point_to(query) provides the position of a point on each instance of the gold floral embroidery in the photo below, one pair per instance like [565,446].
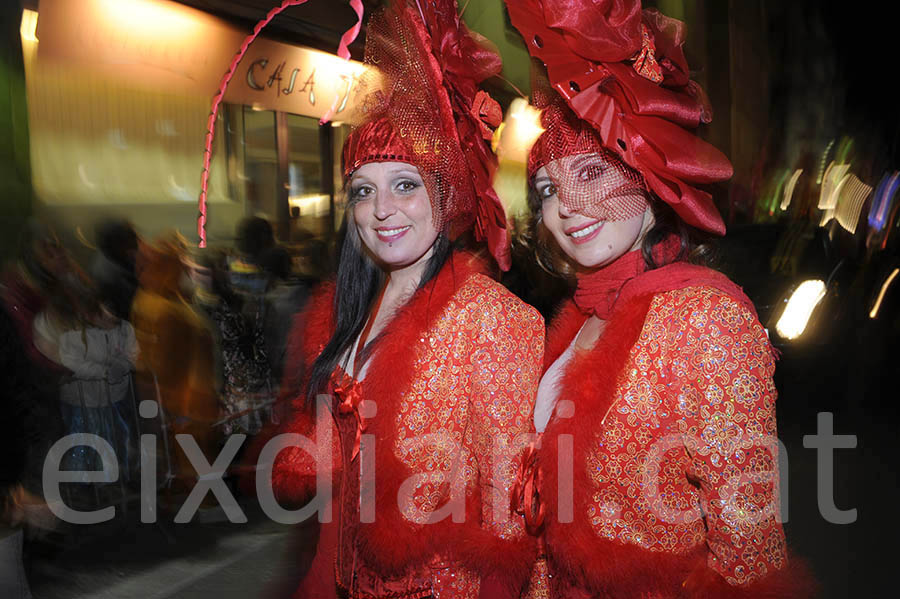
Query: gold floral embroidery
[689,433]
[480,364]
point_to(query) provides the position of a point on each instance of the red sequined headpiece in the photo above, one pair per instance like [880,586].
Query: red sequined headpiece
[375,141]
[622,71]
[421,104]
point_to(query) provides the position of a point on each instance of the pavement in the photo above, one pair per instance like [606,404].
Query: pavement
[125,559]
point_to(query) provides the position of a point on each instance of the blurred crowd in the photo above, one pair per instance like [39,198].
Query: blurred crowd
[200,332]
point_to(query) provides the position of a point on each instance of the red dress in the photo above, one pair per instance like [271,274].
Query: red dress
[662,456]
[453,379]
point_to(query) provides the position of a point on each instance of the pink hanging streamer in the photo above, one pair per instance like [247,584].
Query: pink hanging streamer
[343,52]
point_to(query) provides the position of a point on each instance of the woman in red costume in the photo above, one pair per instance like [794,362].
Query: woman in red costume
[430,368]
[658,462]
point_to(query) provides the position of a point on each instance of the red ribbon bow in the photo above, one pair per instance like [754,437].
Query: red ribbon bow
[488,113]
[349,392]
[645,63]
[526,492]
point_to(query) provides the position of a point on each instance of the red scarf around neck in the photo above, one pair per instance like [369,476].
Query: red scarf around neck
[600,291]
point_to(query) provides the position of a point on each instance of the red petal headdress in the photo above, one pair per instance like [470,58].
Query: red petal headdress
[623,71]
[422,105]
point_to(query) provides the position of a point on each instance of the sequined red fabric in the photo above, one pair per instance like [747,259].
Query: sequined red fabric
[675,457]
[374,141]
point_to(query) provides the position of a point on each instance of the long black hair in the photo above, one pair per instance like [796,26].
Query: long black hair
[359,280]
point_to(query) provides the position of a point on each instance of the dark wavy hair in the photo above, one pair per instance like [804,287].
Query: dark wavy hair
[696,246]
[358,281]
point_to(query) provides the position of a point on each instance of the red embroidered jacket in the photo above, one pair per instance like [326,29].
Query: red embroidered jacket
[453,377]
[659,464]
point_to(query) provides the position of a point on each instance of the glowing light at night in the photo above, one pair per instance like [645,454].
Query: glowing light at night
[28,28]
[887,283]
[823,162]
[789,189]
[852,194]
[521,127]
[799,308]
[842,196]
[772,203]
[310,204]
[151,20]
[844,150]
[885,194]
[834,174]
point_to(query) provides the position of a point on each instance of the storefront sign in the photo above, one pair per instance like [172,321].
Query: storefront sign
[277,76]
[168,46]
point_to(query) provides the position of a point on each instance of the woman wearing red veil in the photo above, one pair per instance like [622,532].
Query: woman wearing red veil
[429,367]
[657,472]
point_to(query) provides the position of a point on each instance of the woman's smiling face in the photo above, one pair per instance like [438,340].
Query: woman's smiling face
[596,232]
[393,214]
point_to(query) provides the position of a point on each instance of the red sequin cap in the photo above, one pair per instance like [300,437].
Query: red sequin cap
[421,104]
[623,71]
[374,141]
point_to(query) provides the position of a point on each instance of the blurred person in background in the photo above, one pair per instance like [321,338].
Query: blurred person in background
[245,379]
[315,259]
[113,266]
[206,285]
[286,295]
[41,291]
[254,385]
[63,310]
[20,431]
[44,271]
[658,372]
[177,355]
[312,265]
[253,236]
[101,352]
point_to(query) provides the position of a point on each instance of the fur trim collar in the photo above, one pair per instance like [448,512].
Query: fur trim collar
[565,324]
[425,304]
[590,379]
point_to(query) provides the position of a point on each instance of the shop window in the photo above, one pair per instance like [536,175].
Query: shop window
[286,167]
[309,200]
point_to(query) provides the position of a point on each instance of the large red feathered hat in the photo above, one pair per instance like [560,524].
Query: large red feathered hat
[622,70]
[421,104]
